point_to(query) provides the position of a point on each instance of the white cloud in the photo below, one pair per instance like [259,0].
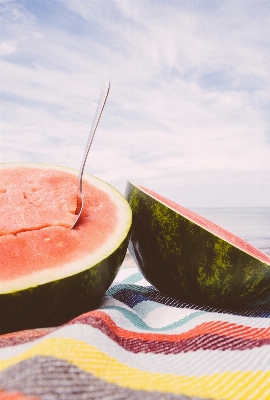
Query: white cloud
[7,47]
[189,94]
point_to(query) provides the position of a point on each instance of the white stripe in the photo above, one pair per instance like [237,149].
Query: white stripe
[197,363]
[170,315]
[161,314]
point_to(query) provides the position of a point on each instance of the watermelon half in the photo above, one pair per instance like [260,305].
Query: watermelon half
[48,272]
[190,258]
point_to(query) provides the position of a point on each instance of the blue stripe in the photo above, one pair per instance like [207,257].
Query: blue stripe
[133,278]
[131,295]
[139,323]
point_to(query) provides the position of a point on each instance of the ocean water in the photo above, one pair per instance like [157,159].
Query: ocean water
[250,224]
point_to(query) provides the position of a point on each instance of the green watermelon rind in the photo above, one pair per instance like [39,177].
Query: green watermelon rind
[185,261]
[49,305]
[61,297]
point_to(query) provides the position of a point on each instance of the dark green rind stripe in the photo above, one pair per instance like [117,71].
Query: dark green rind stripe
[55,303]
[185,261]
[54,379]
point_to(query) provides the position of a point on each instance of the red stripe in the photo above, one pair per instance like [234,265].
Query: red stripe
[16,396]
[198,338]
[209,335]
[12,339]
[213,327]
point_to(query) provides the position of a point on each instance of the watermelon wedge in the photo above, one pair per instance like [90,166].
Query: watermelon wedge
[48,272]
[190,258]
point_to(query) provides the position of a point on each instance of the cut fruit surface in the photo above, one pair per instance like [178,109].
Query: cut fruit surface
[39,250]
[186,256]
[29,202]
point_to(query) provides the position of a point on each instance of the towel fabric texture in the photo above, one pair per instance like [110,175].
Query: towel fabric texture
[141,344]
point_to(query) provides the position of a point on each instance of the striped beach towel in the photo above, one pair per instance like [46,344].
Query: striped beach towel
[140,344]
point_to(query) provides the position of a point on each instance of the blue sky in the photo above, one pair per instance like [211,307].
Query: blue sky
[188,111]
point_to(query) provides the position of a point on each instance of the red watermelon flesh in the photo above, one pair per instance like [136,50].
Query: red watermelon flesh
[211,227]
[37,207]
[33,202]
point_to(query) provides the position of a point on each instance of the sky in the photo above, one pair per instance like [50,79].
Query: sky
[187,114]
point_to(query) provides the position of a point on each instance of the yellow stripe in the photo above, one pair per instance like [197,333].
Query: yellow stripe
[227,385]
